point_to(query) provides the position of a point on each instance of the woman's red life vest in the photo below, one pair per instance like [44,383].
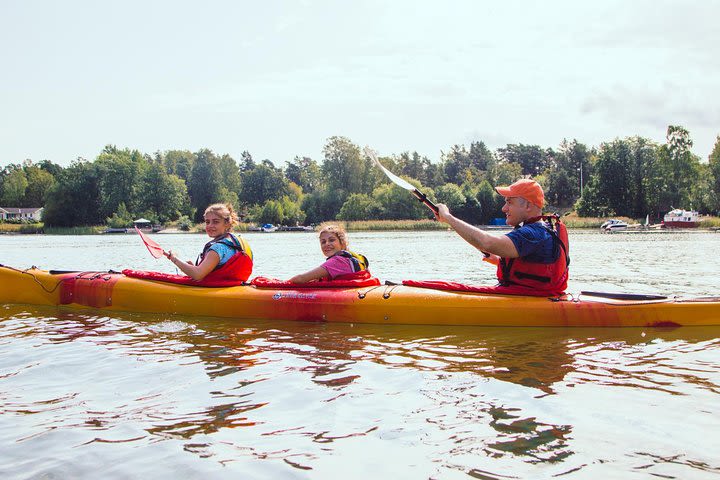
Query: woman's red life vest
[544,278]
[237,268]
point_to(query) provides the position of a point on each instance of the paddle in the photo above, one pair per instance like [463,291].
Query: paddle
[400,182]
[407,186]
[155,250]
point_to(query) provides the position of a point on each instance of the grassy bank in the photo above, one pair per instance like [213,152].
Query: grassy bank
[710,222]
[27,228]
[380,225]
[573,221]
[93,230]
[354,226]
[21,228]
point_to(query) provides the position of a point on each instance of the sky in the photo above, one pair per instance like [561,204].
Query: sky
[278,78]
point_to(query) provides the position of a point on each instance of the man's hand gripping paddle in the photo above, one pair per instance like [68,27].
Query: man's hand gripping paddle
[155,250]
[400,182]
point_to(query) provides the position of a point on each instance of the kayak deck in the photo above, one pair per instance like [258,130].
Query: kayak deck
[385,304]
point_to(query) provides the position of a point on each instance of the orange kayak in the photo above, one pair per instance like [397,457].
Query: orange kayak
[384,304]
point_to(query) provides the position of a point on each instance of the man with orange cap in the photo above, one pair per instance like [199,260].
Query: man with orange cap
[532,258]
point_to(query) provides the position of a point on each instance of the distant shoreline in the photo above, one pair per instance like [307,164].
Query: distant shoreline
[573,223]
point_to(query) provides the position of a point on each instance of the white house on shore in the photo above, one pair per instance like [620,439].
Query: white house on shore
[14,213]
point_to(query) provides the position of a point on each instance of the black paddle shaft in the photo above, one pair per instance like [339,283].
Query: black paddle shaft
[423,198]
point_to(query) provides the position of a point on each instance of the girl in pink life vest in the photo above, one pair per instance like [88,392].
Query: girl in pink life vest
[224,258]
[341,263]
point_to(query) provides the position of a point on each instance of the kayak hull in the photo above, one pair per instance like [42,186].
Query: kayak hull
[386,304]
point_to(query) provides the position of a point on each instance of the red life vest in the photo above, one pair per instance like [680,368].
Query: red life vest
[237,268]
[517,275]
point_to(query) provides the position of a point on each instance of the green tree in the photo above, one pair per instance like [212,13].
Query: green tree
[344,168]
[292,213]
[701,196]
[559,188]
[230,174]
[39,183]
[13,188]
[481,158]
[323,204]
[414,166]
[714,165]
[246,162]
[489,203]
[119,174]
[120,219]
[435,175]
[52,168]
[360,206]
[451,195]
[461,165]
[613,179]
[471,210]
[398,204]
[455,164]
[503,173]
[592,204]
[179,162]
[74,198]
[305,172]
[164,195]
[205,182]
[568,168]
[532,158]
[679,167]
[626,180]
[262,183]
[272,212]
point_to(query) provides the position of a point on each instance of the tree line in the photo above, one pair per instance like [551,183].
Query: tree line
[630,177]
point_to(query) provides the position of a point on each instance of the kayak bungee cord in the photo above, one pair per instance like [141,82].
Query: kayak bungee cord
[93,276]
[25,272]
[362,295]
[389,290]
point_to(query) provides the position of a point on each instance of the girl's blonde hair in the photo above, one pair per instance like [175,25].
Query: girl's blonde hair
[224,211]
[336,230]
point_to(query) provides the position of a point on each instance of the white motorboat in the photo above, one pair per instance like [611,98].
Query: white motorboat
[613,225]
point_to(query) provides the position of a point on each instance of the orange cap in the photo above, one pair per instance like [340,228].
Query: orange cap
[525,188]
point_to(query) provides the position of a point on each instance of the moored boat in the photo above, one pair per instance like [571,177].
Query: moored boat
[380,304]
[613,225]
[679,218]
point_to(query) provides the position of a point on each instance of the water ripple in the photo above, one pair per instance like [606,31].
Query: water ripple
[302,399]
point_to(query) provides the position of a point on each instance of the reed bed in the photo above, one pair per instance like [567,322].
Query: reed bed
[91,230]
[379,225]
[21,228]
[710,222]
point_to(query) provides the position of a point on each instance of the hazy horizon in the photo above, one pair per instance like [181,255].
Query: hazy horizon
[279,78]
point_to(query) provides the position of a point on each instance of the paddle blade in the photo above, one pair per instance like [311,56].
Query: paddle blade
[395,179]
[400,182]
[155,250]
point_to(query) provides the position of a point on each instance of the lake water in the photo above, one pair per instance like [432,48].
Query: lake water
[89,395]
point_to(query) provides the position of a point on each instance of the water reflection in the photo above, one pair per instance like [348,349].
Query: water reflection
[463,396]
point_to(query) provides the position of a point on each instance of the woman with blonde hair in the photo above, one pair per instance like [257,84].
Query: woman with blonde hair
[226,257]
